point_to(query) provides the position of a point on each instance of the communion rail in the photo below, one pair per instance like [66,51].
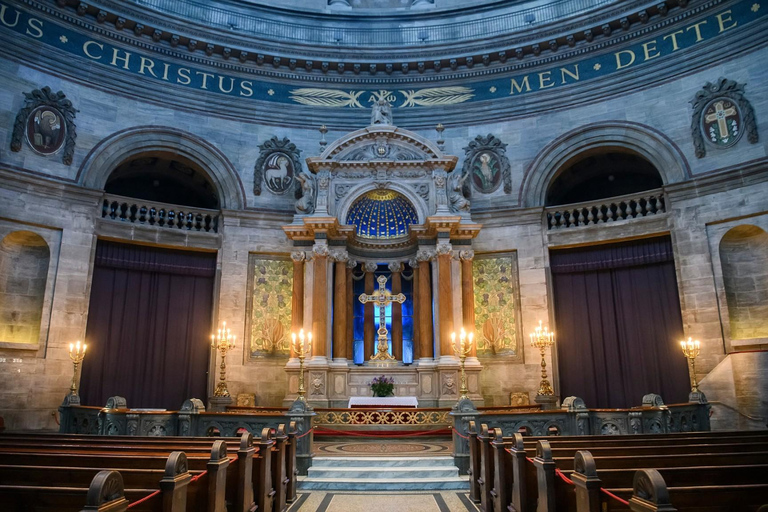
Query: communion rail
[166,216]
[613,209]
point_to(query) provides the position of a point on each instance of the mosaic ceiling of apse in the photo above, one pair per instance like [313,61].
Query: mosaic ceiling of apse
[382,214]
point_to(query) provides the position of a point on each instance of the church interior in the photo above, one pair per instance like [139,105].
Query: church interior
[430,255]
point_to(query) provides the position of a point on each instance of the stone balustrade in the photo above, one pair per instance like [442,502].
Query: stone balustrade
[160,215]
[614,209]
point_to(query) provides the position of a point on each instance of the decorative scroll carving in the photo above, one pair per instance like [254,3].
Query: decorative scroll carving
[47,122]
[486,162]
[721,115]
[278,163]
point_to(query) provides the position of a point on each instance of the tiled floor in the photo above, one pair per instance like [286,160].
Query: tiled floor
[445,501]
[368,447]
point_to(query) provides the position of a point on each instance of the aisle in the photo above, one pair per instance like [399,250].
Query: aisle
[402,501]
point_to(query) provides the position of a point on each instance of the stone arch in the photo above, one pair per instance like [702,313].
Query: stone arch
[24,261]
[637,138]
[108,154]
[421,207]
[744,261]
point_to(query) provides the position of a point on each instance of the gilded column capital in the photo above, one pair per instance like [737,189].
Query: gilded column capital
[467,255]
[395,266]
[371,266]
[425,254]
[298,256]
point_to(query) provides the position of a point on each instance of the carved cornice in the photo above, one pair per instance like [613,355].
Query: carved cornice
[328,227]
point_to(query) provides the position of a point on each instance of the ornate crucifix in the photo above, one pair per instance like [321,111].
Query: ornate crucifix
[381,298]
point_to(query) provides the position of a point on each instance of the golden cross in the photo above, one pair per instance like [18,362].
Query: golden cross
[382,298]
[720,116]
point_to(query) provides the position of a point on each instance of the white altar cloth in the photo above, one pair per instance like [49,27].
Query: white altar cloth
[383,401]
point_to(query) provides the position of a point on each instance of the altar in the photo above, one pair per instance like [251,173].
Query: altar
[398,402]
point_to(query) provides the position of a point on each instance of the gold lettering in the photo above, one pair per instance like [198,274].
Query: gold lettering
[205,78]
[722,21]
[37,26]
[116,57]
[519,87]
[695,27]
[574,75]
[548,78]
[184,73]
[88,52]
[649,47]
[673,36]
[166,67]
[619,65]
[149,67]
[246,85]
[2,17]
[231,84]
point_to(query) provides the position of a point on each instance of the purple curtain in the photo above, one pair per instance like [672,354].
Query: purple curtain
[618,323]
[149,324]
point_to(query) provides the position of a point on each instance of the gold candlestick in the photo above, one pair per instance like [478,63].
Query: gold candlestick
[301,347]
[462,350]
[223,341]
[542,338]
[76,354]
[691,349]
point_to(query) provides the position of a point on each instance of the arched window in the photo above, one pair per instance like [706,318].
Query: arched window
[163,179]
[599,175]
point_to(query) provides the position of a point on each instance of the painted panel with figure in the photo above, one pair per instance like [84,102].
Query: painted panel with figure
[496,305]
[269,306]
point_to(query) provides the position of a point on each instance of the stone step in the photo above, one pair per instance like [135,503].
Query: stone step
[377,484]
[368,462]
[383,473]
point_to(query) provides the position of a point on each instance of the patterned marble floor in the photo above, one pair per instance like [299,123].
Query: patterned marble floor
[445,501]
[368,447]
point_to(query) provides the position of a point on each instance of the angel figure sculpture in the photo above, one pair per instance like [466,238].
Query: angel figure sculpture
[456,196]
[305,202]
[381,113]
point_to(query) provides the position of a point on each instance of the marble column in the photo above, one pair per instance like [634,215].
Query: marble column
[397,311]
[426,345]
[445,298]
[340,301]
[414,264]
[468,295]
[297,298]
[320,301]
[350,266]
[369,329]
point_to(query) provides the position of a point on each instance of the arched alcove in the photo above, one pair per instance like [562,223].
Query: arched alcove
[744,261]
[382,214]
[24,260]
[606,137]
[164,178]
[602,173]
[153,141]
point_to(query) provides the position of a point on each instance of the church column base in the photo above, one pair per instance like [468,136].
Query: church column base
[547,402]
[219,403]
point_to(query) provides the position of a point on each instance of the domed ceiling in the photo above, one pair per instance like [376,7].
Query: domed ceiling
[382,214]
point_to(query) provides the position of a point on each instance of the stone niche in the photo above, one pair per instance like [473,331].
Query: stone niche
[744,260]
[24,261]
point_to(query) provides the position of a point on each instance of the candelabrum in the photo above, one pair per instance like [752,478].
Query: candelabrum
[76,354]
[462,350]
[302,346]
[223,341]
[691,349]
[542,338]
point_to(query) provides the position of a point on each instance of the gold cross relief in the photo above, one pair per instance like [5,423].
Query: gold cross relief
[720,115]
[381,298]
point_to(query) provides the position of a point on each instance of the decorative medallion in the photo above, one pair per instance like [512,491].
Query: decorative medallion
[721,115]
[46,122]
[487,164]
[277,165]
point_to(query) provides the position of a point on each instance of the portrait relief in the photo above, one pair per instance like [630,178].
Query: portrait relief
[486,172]
[278,172]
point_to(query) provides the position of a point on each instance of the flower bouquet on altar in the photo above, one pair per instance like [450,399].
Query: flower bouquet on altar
[383,386]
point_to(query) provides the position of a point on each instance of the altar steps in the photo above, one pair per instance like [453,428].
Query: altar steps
[383,474]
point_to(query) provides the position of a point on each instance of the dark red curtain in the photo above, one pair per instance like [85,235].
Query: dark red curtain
[618,323]
[149,326]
